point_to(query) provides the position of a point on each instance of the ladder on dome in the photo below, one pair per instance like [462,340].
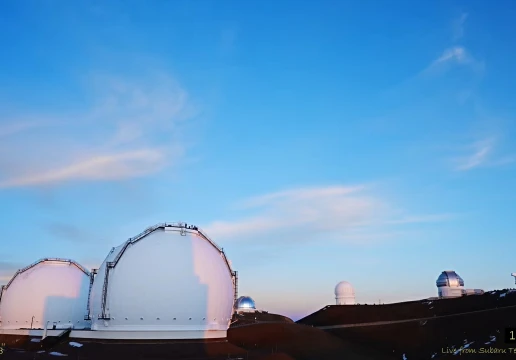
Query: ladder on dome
[235,279]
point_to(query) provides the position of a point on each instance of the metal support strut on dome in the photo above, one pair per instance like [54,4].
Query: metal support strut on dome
[92,277]
[235,283]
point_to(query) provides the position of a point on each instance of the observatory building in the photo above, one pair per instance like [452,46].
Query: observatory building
[49,293]
[344,293]
[169,282]
[245,304]
[450,285]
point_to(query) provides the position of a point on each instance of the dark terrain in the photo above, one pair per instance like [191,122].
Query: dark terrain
[473,322]
[258,317]
[425,330]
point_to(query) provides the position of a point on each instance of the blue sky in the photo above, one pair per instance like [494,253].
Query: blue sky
[367,141]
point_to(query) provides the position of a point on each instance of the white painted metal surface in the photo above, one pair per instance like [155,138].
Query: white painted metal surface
[120,335]
[474,292]
[344,293]
[173,280]
[53,291]
[450,292]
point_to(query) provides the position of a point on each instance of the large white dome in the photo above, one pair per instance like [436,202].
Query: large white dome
[53,291]
[344,293]
[170,279]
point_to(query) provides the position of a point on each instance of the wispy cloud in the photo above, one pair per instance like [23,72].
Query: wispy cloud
[458,26]
[456,55]
[482,153]
[22,125]
[130,131]
[343,213]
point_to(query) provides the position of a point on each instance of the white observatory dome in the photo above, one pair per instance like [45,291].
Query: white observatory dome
[170,279]
[53,291]
[450,284]
[245,303]
[344,293]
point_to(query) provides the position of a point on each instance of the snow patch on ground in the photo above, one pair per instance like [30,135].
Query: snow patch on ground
[74,344]
[55,353]
[491,340]
[404,357]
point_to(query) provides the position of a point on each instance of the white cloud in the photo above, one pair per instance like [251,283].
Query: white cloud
[21,125]
[458,26]
[479,156]
[102,167]
[457,55]
[341,213]
[482,153]
[131,131]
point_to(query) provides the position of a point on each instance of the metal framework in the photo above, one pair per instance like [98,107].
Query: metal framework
[235,285]
[92,278]
[71,262]
[182,227]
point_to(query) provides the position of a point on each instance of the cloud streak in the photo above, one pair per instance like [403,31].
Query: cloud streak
[341,213]
[458,27]
[455,56]
[479,156]
[130,131]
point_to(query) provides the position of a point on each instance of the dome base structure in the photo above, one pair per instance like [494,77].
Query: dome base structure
[5,334]
[169,282]
[446,292]
[345,301]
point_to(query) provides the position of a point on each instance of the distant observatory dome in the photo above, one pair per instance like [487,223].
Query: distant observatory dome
[53,291]
[344,293]
[450,284]
[245,303]
[170,279]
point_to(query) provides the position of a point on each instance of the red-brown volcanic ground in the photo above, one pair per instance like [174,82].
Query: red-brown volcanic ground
[261,341]
[299,342]
[440,335]
[351,314]
[247,318]
[253,337]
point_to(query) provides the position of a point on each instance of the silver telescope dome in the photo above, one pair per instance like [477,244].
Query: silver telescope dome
[449,278]
[245,302]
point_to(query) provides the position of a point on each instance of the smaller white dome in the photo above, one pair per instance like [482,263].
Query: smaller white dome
[344,288]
